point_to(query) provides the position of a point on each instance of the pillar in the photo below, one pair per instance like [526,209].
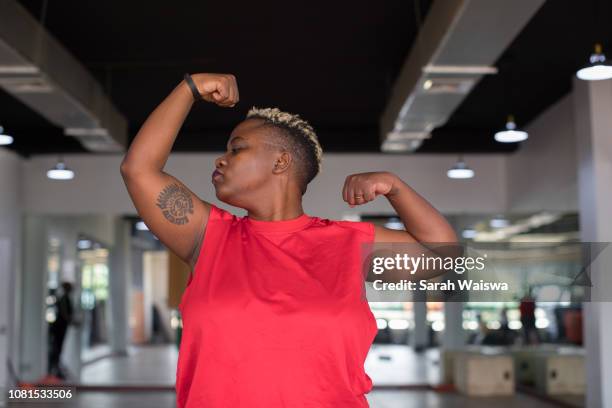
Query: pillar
[593,128]
[420,334]
[33,358]
[120,283]
[453,336]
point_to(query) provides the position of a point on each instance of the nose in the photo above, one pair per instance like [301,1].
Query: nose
[220,162]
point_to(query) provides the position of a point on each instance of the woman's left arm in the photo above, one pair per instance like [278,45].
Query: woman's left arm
[422,221]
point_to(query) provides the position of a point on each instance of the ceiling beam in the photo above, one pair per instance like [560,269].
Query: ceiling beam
[37,70]
[456,46]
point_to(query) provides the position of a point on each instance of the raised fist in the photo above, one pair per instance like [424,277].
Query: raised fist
[362,188]
[221,89]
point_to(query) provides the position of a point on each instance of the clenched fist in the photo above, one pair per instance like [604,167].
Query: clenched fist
[221,89]
[362,188]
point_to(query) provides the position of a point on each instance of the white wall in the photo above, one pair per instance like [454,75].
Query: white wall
[542,174]
[99,188]
[10,234]
[425,173]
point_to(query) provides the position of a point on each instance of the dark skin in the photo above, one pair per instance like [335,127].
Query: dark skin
[256,173]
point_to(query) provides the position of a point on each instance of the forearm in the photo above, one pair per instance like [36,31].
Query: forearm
[153,143]
[419,217]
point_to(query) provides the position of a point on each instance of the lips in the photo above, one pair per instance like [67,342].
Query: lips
[216,176]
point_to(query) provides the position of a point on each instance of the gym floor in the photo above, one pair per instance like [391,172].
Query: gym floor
[122,382]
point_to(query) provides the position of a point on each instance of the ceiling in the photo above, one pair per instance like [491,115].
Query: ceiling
[334,63]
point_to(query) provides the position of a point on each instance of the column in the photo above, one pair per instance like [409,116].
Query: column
[453,336]
[33,360]
[593,128]
[120,284]
[5,307]
[420,334]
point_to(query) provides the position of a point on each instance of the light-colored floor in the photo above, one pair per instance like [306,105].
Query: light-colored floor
[377,399]
[150,365]
[96,352]
[387,365]
[431,399]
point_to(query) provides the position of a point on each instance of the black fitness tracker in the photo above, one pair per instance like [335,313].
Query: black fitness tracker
[193,87]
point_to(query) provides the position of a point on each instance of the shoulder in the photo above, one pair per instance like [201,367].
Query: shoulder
[359,227]
[219,214]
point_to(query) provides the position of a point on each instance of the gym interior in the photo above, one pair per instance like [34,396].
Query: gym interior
[498,112]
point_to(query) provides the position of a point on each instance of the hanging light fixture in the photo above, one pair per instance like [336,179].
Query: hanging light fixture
[511,90]
[60,171]
[597,69]
[4,138]
[460,170]
[510,134]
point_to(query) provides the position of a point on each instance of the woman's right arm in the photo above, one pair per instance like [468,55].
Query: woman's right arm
[171,211]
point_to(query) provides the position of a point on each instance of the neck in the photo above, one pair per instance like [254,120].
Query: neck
[280,203]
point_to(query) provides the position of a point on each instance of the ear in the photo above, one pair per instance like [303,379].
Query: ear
[282,162]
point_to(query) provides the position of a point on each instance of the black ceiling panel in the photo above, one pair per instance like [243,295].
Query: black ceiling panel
[333,62]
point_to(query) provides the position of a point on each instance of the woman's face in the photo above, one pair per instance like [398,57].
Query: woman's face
[243,172]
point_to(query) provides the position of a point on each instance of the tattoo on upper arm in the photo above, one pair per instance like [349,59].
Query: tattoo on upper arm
[175,203]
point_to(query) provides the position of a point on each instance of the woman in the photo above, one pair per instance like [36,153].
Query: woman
[273,314]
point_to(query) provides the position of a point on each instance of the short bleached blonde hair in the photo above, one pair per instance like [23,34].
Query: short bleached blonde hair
[304,139]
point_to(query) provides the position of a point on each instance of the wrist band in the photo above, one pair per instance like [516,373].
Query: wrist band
[194,89]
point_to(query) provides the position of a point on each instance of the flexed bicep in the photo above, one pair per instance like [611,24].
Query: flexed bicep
[171,211]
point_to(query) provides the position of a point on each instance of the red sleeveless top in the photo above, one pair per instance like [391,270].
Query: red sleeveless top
[275,315]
